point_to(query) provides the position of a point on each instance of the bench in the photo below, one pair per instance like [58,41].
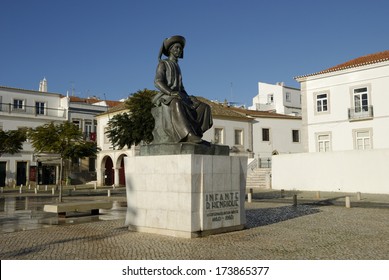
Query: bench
[80,206]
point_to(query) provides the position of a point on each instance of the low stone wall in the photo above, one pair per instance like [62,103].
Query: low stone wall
[347,171]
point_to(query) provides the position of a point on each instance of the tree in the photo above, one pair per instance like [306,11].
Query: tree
[64,139]
[133,127]
[11,141]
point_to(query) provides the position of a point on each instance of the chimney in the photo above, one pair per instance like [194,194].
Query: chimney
[43,85]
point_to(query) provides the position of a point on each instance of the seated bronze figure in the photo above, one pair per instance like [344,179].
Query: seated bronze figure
[178,116]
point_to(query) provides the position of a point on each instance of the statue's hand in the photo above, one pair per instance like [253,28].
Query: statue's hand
[174,94]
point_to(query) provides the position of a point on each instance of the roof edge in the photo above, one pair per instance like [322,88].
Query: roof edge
[354,63]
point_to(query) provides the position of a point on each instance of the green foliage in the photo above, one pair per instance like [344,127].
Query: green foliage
[11,142]
[137,125]
[64,139]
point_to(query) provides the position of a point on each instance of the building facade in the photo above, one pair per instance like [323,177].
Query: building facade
[21,108]
[344,106]
[110,161]
[273,133]
[345,130]
[277,98]
[82,112]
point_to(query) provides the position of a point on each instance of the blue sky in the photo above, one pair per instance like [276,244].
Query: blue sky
[110,48]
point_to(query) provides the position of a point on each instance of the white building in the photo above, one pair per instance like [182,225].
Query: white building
[274,133]
[230,128]
[109,163]
[277,98]
[82,112]
[20,108]
[345,107]
[346,120]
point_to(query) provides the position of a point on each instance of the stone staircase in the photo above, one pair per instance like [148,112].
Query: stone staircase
[259,178]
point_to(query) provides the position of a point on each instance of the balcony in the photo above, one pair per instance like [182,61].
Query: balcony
[360,113]
[10,109]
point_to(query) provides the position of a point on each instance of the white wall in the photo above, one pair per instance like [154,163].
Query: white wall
[107,150]
[51,100]
[345,171]
[280,136]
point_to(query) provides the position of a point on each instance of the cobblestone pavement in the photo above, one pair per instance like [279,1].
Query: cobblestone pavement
[275,230]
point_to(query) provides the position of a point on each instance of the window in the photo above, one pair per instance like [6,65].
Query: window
[87,129]
[265,134]
[288,97]
[295,136]
[218,137]
[88,126]
[77,123]
[238,137]
[270,98]
[323,142]
[18,104]
[39,108]
[321,103]
[361,102]
[362,139]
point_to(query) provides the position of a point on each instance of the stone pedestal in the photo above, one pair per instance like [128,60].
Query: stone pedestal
[185,195]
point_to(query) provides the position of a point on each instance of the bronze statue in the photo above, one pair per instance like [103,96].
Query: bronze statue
[178,116]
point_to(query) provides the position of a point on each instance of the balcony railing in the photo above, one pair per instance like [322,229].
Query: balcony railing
[360,113]
[32,110]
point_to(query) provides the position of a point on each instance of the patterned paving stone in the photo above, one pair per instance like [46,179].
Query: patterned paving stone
[274,231]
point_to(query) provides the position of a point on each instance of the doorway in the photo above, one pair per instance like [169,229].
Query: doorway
[21,171]
[3,173]
[109,172]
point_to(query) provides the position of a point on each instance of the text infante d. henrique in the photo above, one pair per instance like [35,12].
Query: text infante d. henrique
[221,200]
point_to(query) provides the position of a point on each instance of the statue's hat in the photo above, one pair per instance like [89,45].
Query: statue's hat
[168,42]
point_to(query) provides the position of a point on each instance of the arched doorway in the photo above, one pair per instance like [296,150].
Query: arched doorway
[109,178]
[122,176]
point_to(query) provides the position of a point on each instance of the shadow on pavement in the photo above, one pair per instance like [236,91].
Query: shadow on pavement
[267,216]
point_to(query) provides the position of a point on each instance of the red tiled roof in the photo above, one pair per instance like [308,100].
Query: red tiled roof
[221,111]
[119,107]
[263,114]
[360,61]
[110,103]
